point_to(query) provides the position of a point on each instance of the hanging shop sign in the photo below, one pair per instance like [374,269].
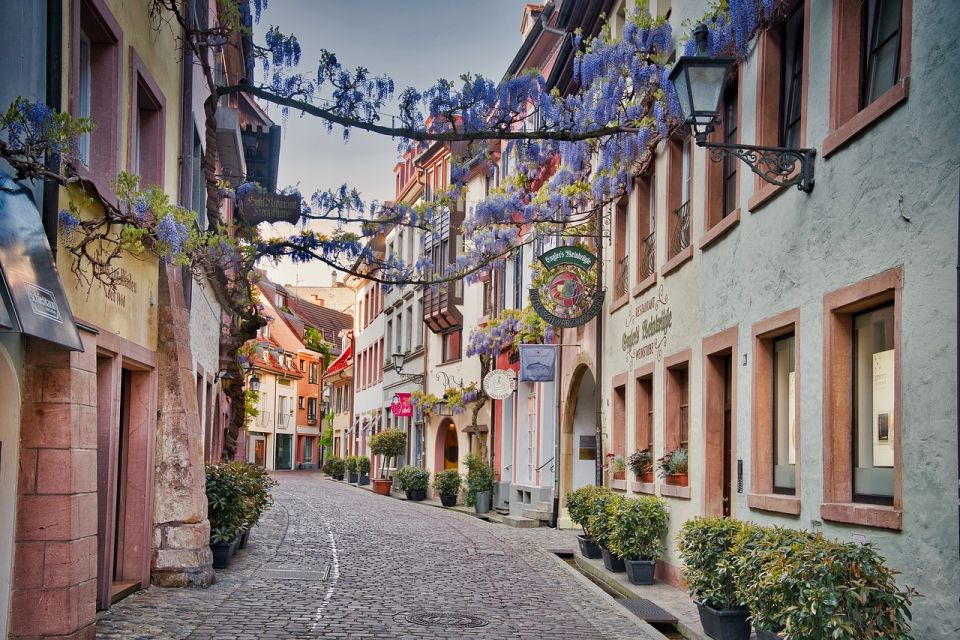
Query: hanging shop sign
[570,296]
[499,384]
[270,207]
[401,406]
[537,362]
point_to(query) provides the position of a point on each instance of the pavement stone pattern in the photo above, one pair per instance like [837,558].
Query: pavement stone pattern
[333,561]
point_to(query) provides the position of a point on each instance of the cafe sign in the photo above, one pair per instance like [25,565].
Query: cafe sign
[270,207]
[570,297]
[401,406]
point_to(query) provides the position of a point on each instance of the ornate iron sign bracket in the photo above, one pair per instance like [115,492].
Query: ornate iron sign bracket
[783,167]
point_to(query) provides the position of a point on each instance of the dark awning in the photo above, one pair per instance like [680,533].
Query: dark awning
[34,302]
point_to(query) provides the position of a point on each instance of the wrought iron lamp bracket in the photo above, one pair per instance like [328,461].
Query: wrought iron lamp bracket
[448,380]
[415,378]
[776,165]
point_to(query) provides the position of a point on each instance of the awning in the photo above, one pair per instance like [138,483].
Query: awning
[34,302]
[341,363]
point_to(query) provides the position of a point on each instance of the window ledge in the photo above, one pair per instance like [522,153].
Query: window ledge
[867,515]
[645,284]
[762,196]
[852,128]
[717,231]
[644,487]
[677,261]
[774,502]
[618,485]
[617,303]
[675,491]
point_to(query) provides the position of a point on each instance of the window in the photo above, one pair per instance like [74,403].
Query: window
[881,48]
[643,427]
[646,193]
[774,481]
[722,201]
[620,256]
[389,335]
[198,197]
[380,360]
[302,365]
[411,319]
[677,406]
[146,127]
[451,345]
[311,409]
[679,178]
[518,278]
[308,449]
[418,334]
[618,439]
[730,136]
[862,423]
[314,372]
[399,336]
[791,78]
[300,404]
[84,97]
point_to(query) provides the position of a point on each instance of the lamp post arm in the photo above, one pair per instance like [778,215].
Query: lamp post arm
[776,165]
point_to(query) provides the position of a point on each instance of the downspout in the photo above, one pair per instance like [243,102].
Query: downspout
[54,91]
[348,445]
[598,472]
[423,415]
[558,389]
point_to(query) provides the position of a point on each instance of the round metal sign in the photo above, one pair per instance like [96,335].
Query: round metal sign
[499,384]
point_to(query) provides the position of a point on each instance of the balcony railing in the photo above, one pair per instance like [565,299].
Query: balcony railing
[623,276]
[283,420]
[648,256]
[680,238]
[264,420]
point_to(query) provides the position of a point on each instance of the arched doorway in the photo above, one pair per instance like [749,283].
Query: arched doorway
[578,443]
[9,464]
[447,446]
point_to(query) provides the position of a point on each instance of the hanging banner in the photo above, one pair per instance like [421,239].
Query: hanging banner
[569,296]
[401,405]
[537,362]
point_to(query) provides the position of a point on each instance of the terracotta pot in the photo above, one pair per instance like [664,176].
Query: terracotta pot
[679,479]
[619,475]
[647,477]
[382,487]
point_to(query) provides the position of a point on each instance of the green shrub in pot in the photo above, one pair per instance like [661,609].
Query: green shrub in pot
[411,478]
[226,506]
[255,484]
[388,444]
[603,513]
[580,505]
[802,586]
[351,463]
[479,477]
[363,465]
[447,483]
[638,528]
[335,467]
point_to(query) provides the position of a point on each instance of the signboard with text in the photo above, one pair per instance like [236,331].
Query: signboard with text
[270,207]
[401,405]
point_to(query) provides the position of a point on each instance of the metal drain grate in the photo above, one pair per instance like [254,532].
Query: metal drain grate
[446,620]
[647,610]
[294,574]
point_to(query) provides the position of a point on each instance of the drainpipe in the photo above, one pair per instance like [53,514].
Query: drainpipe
[957,345]
[598,472]
[558,387]
[54,91]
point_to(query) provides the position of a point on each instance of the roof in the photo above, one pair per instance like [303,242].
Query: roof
[300,314]
[269,361]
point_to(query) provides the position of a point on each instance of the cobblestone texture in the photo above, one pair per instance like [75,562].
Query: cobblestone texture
[382,559]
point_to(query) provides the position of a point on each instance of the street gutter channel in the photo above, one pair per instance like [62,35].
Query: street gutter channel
[668,630]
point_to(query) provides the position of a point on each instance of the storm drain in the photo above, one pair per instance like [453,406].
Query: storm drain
[295,574]
[446,620]
[647,610]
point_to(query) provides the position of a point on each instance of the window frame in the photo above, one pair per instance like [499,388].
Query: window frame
[643,417]
[679,179]
[146,141]
[717,220]
[645,193]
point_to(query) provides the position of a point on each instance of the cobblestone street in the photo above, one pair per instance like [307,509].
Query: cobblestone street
[333,561]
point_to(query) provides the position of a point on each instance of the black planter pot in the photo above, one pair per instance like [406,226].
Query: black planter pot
[588,548]
[421,494]
[221,554]
[338,476]
[640,571]
[724,625]
[448,501]
[354,477]
[407,493]
[767,635]
[364,480]
[611,562]
[243,539]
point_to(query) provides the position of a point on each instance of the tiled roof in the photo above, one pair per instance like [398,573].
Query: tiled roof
[301,314]
[266,359]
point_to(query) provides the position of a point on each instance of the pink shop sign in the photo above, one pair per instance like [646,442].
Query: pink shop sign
[401,405]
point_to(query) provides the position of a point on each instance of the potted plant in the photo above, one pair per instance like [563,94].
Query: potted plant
[641,463]
[619,468]
[705,546]
[226,511]
[673,467]
[413,481]
[638,529]
[447,484]
[388,444]
[602,519]
[780,572]
[363,469]
[352,464]
[579,506]
[255,484]
[335,467]
[479,483]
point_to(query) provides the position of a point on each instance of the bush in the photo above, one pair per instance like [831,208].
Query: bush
[334,466]
[413,478]
[802,585]
[237,495]
[479,477]
[708,569]
[447,483]
[363,465]
[255,484]
[580,505]
[388,443]
[638,528]
[602,518]
[351,463]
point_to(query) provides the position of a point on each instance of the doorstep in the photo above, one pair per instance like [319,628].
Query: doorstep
[675,601]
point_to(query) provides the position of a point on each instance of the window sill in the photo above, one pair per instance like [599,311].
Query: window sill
[618,485]
[774,502]
[675,491]
[645,284]
[717,231]
[446,362]
[871,114]
[867,515]
[617,303]
[677,261]
[644,487]
[762,196]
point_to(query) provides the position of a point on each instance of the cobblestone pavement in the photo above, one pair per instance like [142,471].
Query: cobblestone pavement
[334,561]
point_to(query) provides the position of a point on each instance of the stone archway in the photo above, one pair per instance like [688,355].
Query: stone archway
[577,461]
[447,446]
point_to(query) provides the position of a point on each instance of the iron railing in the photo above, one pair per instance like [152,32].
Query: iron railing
[680,239]
[647,262]
[283,420]
[623,276]
[264,420]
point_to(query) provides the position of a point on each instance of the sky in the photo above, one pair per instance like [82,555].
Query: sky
[415,42]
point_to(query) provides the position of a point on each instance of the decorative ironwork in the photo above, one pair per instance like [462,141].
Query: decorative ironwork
[623,276]
[680,238]
[783,167]
[647,260]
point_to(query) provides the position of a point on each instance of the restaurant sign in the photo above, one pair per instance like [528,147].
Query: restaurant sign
[646,328]
[270,207]
[569,297]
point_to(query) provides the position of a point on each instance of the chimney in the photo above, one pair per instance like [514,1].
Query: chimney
[333,275]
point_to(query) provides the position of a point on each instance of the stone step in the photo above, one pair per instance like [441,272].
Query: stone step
[520,523]
[536,514]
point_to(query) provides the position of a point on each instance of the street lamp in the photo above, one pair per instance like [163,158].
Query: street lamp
[699,80]
[398,359]
[255,382]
